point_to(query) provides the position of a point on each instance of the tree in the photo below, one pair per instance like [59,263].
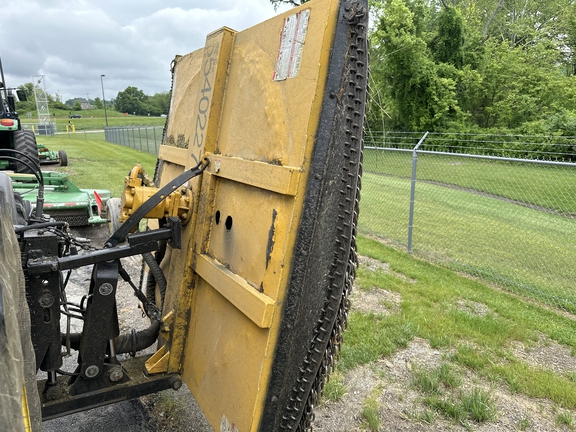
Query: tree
[418,96]
[30,103]
[98,103]
[447,46]
[77,106]
[132,100]
[160,102]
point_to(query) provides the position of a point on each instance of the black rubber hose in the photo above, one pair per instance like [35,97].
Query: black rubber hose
[130,343]
[125,343]
[39,226]
[156,276]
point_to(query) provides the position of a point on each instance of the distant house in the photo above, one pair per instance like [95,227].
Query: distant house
[84,103]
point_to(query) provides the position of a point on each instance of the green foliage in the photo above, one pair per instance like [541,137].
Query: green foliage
[335,389]
[418,97]
[476,406]
[565,418]
[444,66]
[98,104]
[431,382]
[131,100]
[447,45]
[370,415]
[77,106]
[134,101]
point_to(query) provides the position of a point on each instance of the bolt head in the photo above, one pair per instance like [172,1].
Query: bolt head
[116,374]
[106,289]
[92,371]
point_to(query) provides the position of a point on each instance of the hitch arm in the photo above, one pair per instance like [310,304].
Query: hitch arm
[152,202]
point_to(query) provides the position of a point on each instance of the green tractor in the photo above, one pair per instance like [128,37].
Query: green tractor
[24,157]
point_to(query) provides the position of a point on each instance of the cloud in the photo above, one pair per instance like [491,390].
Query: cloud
[131,42]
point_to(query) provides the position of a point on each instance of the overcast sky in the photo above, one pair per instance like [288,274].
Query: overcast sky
[132,42]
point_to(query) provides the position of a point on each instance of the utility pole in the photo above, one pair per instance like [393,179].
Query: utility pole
[104,98]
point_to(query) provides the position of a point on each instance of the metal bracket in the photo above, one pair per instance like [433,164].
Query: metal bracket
[133,221]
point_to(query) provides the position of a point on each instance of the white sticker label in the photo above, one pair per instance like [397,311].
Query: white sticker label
[226,426]
[291,45]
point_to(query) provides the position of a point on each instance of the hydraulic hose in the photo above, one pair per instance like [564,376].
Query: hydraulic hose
[156,276]
[125,343]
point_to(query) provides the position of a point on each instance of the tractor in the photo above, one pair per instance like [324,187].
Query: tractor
[12,136]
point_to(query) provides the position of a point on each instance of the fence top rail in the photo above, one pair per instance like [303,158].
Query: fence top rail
[467,155]
[133,126]
[416,135]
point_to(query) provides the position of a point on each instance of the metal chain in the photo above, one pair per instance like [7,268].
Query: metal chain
[354,100]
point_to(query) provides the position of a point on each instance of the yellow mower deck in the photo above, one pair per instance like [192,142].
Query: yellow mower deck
[268,250]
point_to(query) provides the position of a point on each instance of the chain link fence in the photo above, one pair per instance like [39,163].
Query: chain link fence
[143,138]
[509,220]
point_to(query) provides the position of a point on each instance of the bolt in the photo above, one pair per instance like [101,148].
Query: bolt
[46,300]
[166,328]
[106,289]
[91,371]
[116,374]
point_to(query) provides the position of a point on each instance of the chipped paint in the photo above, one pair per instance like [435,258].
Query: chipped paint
[270,245]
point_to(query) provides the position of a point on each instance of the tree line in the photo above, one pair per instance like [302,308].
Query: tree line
[131,100]
[474,65]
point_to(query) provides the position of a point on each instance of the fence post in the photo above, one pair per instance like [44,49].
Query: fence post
[155,143]
[147,143]
[412,192]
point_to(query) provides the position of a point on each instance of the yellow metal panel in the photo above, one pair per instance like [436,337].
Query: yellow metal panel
[245,233]
[173,154]
[229,281]
[275,178]
[255,305]
[218,378]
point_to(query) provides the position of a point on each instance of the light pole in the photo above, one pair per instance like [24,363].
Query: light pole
[104,99]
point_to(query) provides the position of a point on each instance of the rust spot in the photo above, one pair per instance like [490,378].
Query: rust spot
[271,231]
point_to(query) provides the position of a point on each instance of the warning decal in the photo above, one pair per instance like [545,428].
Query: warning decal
[291,45]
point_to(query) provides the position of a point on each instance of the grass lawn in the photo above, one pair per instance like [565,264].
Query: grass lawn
[549,186]
[435,306]
[94,119]
[530,251]
[98,164]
